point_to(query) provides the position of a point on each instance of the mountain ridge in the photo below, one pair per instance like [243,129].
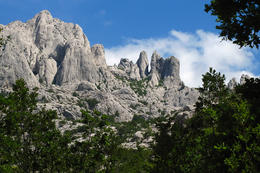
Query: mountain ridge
[53,55]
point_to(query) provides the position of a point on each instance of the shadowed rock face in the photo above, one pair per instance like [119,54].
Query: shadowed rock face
[52,54]
[130,68]
[164,69]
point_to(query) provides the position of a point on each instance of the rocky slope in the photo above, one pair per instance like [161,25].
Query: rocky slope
[57,58]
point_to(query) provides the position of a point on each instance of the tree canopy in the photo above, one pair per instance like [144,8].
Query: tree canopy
[223,135]
[239,20]
[31,142]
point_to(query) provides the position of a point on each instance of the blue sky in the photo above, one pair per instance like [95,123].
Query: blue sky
[125,27]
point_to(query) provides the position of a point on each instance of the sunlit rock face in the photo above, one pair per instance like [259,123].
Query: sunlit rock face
[57,57]
[49,50]
[142,64]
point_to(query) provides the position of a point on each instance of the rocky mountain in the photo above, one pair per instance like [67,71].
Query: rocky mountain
[57,58]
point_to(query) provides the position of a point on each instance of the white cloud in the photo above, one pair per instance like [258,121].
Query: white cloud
[196,52]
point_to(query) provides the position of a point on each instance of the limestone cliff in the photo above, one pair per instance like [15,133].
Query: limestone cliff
[57,57]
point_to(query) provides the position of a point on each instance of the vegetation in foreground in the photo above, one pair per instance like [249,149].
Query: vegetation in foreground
[238,20]
[222,136]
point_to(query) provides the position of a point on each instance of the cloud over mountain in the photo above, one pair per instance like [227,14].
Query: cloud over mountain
[196,52]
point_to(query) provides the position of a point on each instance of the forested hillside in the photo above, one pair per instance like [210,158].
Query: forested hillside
[223,135]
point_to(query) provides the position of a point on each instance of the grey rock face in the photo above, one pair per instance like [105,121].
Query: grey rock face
[57,57]
[142,64]
[98,52]
[19,56]
[130,68]
[125,64]
[164,69]
[170,68]
[78,65]
[86,86]
[46,69]
[44,42]
[155,69]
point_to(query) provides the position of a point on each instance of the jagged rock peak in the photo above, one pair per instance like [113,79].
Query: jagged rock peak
[155,57]
[125,63]
[52,54]
[44,14]
[43,17]
[129,68]
[155,64]
[164,68]
[49,51]
[171,67]
[142,64]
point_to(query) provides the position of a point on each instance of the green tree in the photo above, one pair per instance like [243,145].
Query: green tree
[132,160]
[168,150]
[239,20]
[222,136]
[213,89]
[96,152]
[29,140]
[251,92]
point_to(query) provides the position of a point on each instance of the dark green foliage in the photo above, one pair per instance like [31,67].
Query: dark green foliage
[128,129]
[98,86]
[81,103]
[168,151]
[92,102]
[139,86]
[213,89]
[132,160]
[29,140]
[222,136]
[41,80]
[95,153]
[117,114]
[75,94]
[123,79]
[143,102]
[134,106]
[239,20]
[251,92]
